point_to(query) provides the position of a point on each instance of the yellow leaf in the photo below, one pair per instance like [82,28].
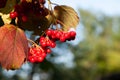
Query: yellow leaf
[66,16]
[5,17]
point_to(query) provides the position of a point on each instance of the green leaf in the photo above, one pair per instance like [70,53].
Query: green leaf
[66,16]
[13,47]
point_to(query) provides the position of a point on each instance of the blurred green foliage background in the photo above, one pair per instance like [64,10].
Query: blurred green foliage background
[96,57]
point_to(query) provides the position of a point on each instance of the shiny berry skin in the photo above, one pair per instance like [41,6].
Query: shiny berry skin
[43,55]
[54,32]
[49,32]
[72,33]
[42,39]
[13,15]
[58,35]
[24,18]
[62,39]
[40,59]
[43,44]
[67,35]
[36,54]
[48,43]
[48,50]
[31,59]
[53,45]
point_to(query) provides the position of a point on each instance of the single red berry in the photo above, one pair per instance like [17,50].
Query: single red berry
[48,50]
[43,54]
[13,15]
[44,44]
[49,32]
[72,33]
[54,32]
[38,53]
[53,45]
[31,59]
[62,39]
[34,49]
[58,35]
[48,42]
[53,36]
[42,39]
[67,35]
[24,18]
[40,59]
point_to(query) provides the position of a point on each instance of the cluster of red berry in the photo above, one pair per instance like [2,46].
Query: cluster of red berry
[24,8]
[46,42]
[60,35]
[38,54]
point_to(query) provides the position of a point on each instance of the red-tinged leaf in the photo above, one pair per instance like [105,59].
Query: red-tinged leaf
[66,16]
[13,47]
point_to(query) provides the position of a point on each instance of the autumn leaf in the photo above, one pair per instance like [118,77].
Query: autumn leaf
[6,18]
[13,47]
[66,16]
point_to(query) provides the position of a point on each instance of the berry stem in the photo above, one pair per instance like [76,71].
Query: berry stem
[54,4]
[31,41]
[49,5]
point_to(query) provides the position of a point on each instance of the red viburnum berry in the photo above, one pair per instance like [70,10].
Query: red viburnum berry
[31,59]
[40,59]
[48,43]
[48,50]
[49,32]
[54,32]
[42,39]
[44,44]
[13,15]
[36,54]
[43,54]
[67,35]
[58,35]
[72,33]
[53,45]
[24,18]
[62,39]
